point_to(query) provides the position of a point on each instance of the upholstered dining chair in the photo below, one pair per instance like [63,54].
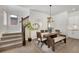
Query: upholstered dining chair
[42,31]
[41,39]
[46,30]
[53,39]
[57,31]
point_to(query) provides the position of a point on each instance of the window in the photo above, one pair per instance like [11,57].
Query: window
[5,18]
[13,20]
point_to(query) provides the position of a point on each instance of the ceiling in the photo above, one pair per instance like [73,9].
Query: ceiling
[55,8]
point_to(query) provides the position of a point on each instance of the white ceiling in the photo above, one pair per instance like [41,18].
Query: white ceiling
[55,8]
[41,8]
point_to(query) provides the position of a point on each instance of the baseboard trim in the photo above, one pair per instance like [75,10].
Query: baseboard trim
[72,38]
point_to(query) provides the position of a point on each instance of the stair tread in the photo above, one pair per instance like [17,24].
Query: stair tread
[1,41]
[10,40]
[2,46]
[12,33]
[11,37]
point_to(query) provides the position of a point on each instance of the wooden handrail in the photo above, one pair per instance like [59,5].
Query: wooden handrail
[23,30]
[24,18]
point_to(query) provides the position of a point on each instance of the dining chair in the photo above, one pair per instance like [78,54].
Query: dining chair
[57,31]
[41,39]
[42,31]
[46,30]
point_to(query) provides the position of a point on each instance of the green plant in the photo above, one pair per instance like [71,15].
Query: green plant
[29,26]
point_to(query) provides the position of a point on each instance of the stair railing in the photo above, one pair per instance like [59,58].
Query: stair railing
[23,30]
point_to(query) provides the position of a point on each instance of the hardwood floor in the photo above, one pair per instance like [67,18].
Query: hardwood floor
[72,46]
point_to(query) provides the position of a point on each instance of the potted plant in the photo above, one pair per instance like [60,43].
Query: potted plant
[30,28]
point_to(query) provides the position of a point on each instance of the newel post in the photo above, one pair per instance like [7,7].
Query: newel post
[23,34]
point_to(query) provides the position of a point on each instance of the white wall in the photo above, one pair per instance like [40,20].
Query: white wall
[65,21]
[61,21]
[73,19]
[1,21]
[38,17]
[12,10]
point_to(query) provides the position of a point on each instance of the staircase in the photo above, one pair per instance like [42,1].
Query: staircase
[10,41]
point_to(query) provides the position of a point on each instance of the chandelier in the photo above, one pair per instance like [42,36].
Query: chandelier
[49,22]
[50,18]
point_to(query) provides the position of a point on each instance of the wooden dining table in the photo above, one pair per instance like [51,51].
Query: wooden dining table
[47,35]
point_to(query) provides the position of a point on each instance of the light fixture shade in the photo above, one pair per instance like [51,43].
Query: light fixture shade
[49,19]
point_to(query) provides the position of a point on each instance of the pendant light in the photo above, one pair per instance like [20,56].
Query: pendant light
[49,18]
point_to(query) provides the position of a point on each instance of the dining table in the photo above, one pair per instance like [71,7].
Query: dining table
[48,34]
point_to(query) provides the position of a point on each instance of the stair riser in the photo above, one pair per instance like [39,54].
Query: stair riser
[12,34]
[6,38]
[8,42]
[10,47]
